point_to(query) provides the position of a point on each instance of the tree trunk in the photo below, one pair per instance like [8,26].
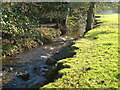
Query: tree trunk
[90,17]
[67,16]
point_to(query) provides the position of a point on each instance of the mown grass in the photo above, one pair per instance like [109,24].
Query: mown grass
[95,64]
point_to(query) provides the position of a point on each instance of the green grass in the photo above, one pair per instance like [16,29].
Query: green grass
[95,64]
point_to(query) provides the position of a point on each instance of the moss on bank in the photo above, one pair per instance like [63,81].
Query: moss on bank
[95,64]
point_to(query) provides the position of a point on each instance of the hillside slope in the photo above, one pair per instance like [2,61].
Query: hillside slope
[95,64]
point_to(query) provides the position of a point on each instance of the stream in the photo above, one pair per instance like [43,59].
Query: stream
[29,68]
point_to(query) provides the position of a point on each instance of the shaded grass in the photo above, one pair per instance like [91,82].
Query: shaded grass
[95,64]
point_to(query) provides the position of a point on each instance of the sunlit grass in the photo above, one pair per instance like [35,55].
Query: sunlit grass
[95,64]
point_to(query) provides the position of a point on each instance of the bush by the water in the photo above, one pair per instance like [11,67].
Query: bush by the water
[20,31]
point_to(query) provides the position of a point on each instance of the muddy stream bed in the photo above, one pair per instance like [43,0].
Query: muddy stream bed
[29,68]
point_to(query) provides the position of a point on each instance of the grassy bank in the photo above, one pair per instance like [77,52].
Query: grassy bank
[95,64]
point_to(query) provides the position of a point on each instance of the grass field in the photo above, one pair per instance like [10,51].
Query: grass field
[95,64]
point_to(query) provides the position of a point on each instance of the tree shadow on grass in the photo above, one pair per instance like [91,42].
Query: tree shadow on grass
[95,35]
[118,76]
[97,22]
[65,52]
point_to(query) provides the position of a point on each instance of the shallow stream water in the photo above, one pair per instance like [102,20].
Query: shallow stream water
[29,68]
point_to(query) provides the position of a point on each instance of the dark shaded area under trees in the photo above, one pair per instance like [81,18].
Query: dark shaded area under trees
[21,22]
